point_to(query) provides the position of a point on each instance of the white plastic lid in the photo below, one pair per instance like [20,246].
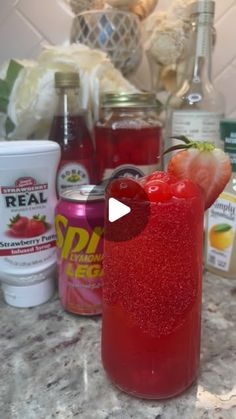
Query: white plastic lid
[27,147]
[29,295]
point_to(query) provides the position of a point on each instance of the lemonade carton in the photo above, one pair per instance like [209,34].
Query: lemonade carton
[220,244]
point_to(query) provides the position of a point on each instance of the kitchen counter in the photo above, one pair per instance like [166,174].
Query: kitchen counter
[51,368]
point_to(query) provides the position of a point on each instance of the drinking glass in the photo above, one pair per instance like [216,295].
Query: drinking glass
[152,299]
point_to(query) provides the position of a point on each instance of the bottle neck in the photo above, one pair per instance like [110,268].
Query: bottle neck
[200,65]
[68,101]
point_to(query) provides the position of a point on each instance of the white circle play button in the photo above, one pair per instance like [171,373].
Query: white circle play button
[127,210]
[117,210]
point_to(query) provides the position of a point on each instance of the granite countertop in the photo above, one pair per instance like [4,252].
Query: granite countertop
[51,368]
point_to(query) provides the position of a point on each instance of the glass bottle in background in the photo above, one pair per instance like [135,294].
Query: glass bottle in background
[220,242]
[128,136]
[196,109]
[69,129]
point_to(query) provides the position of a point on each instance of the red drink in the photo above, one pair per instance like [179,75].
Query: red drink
[152,299]
[123,146]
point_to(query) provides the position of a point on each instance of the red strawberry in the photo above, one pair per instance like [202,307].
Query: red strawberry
[36,226]
[203,164]
[18,225]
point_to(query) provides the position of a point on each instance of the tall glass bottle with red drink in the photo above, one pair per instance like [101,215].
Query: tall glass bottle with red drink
[69,129]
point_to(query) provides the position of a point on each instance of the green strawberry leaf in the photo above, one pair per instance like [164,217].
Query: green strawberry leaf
[13,220]
[42,219]
[199,145]
[221,228]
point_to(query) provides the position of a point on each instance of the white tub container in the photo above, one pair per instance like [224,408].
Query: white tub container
[27,237]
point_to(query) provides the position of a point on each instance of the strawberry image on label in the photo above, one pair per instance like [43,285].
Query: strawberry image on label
[18,225]
[36,226]
[21,226]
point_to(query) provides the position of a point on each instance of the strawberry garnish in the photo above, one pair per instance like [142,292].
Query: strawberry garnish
[204,164]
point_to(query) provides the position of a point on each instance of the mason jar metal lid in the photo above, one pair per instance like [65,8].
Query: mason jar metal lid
[202,7]
[118,100]
[67,79]
[84,193]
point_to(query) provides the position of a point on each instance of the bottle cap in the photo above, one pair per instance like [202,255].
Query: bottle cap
[29,295]
[118,100]
[67,79]
[202,7]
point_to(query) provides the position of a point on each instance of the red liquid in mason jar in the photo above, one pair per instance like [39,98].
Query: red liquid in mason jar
[125,146]
[152,302]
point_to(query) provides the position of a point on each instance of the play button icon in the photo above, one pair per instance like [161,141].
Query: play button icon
[126,209]
[117,210]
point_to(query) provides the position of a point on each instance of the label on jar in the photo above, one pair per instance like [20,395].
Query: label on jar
[130,171]
[198,125]
[70,175]
[221,231]
[27,236]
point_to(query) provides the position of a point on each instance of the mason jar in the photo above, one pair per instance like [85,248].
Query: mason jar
[128,136]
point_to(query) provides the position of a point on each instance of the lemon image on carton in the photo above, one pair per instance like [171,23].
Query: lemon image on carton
[221,236]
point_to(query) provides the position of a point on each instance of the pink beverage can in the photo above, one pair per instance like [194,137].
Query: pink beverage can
[79,222]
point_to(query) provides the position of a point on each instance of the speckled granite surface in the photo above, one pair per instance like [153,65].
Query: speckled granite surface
[51,368]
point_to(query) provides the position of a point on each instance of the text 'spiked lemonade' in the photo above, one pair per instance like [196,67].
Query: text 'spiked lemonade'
[82,266]
[79,226]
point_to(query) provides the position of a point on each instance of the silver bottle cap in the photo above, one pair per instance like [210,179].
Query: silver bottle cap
[202,7]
